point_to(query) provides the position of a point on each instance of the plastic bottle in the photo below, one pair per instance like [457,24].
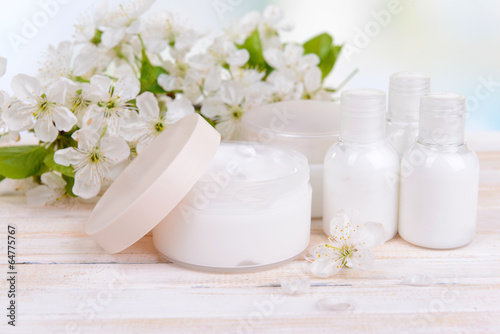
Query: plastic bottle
[405,90]
[439,177]
[361,171]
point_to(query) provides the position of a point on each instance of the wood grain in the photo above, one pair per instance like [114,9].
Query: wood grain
[67,284]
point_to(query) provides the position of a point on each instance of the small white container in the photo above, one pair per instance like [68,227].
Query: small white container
[439,178]
[307,126]
[362,169]
[234,207]
[250,210]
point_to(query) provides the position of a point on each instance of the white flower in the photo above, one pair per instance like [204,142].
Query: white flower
[223,52]
[292,57]
[349,245]
[51,190]
[284,87]
[77,99]
[163,30]
[268,24]
[112,102]
[151,122]
[227,108]
[3,66]
[89,24]
[42,110]
[94,160]
[63,62]
[183,76]
[312,85]
[123,21]
[6,136]
[240,30]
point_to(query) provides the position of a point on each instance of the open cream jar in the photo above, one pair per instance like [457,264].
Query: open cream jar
[308,126]
[250,209]
[237,206]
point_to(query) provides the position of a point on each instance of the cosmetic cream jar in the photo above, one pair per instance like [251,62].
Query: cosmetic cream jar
[307,126]
[235,206]
[250,210]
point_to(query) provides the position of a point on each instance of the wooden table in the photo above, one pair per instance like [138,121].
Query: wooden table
[67,284]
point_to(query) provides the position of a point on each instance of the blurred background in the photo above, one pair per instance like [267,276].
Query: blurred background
[456,42]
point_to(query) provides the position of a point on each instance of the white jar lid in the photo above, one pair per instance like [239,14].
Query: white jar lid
[153,184]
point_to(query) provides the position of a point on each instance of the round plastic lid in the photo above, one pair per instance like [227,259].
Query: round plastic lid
[153,184]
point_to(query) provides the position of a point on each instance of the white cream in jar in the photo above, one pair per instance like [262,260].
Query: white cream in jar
[251,209]
[307,126]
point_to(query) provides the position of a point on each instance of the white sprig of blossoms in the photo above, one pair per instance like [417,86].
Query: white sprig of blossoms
[126,76]
[349,245]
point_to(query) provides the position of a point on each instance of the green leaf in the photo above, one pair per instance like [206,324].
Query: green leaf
[64,170]
[2,177]
[322,45]
[70,182]
[327,64]
[149,76]
[19,162]
[254,47]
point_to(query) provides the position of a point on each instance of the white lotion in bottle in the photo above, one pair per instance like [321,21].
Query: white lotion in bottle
[361,171]
[439,178]
[405,91]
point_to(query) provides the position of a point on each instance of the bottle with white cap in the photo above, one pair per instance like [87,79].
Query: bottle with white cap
[439,177]
[361,171]
[405,90]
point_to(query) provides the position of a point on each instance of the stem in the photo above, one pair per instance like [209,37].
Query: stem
[346,80]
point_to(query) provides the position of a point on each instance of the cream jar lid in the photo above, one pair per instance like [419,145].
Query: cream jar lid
[152,185]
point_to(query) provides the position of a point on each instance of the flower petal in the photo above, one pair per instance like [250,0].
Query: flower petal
[115,148]
[112,36]
[312,79]
[272,13]
[85,60]
[66,156]
[293,53]
[232,93]
[294,286]
[98,89]
[334,304]
[213,107]
[325,268]
[127,87]
[52,180]
[41,195]
[86,138]
[168,82]
[45,130]
[63,118]
[148,106]
[275,58]
[419,280]
[93,118]
[370,234]
[361,259]
[18,117]
[85,186]
[26,88]
[238,58]
[178,109]
[213,79]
